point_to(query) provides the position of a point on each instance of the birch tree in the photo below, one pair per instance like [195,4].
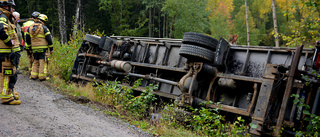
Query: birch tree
[77,18]
[247,22]
[276,35]
[62,21]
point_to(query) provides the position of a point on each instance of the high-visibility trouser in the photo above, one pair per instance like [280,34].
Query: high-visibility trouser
[40,66]
[8,79]
[30,57]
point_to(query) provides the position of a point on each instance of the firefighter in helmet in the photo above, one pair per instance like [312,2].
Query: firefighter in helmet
[39,38]
[25,26]
[9,44]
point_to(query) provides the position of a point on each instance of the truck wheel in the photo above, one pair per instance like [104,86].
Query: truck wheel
[200,40]
[196,53]
[92,39]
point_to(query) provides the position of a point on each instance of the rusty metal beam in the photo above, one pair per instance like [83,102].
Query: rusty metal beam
[293,69]
[238,77]
[92,55]
[261,107]
[158,67]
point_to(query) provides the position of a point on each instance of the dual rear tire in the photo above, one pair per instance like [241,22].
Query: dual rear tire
[198,47]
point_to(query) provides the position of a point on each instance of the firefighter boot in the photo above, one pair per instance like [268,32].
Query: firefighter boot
[14,102]
[10,100]
[16,96]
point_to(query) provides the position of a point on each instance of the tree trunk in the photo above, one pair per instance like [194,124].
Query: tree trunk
[164,26]
[159,23]
[167,26]
[82,23]
[172,27]
[247,22]
[153,24]
[62,20]
[29,7]
[150,22]
[77,19]
[275,23]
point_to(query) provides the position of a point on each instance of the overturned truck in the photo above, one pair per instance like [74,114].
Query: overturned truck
[254,82]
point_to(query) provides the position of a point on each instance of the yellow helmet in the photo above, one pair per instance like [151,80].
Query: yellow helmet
[43,17]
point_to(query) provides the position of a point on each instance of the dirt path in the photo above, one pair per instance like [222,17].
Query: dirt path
[43,112]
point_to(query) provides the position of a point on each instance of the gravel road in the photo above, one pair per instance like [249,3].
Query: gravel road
[43,112]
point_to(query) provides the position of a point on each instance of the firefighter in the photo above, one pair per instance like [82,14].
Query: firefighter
[39,37]
[25,27]
[9,43]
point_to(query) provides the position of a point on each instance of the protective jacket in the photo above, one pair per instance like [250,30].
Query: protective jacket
[5,39]
[39,37]
[11,30]
[25,27]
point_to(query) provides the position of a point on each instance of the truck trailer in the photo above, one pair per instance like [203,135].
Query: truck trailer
[250,81]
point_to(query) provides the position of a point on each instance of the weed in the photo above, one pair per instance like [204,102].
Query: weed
[207,121]
[313,128]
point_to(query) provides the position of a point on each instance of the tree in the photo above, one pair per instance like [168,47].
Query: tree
[125,16]
[186,16]
[247,23]
[77,19]
[275,23]
[220,17]
[305,29]
[62,21]
[240,27]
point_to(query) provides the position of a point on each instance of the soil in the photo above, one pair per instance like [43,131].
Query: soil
[45,112]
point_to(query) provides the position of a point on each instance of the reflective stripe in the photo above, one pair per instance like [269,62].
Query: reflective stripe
[5,88]
[42,74]
[48,33]
[38,36]
[39,47]
[28,23]
[11,32]
[16,49]
[34,73]
[27,33]
[7,96]
[50,46]
[7,40]
[5,50]
[4,23]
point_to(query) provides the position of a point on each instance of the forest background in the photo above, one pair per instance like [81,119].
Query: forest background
[298,20]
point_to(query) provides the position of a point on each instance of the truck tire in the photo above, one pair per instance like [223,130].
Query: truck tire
[92,39]
[200,40]
[196,53]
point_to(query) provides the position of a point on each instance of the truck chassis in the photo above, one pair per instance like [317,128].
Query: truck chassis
[251,81]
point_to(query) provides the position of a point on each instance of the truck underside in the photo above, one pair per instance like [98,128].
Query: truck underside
[254,82]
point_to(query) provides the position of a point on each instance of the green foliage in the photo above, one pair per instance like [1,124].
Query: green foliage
[305,30]
[209,122]
[116,95]
[219,18]
[186,16]
[61,61]
[124,16]
[313,129]
[112,93]
[139,105]
[241,29]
